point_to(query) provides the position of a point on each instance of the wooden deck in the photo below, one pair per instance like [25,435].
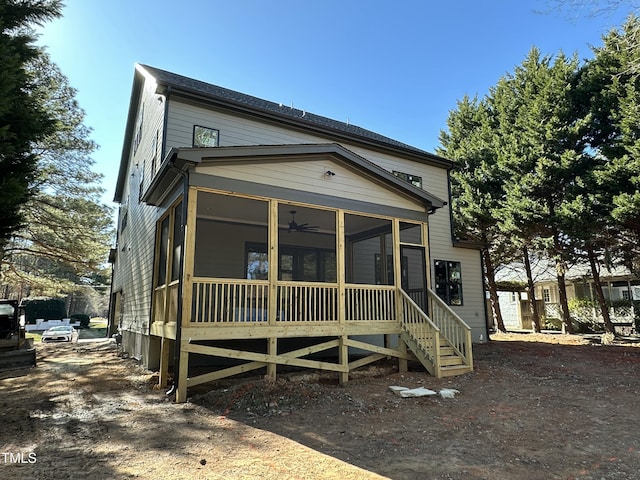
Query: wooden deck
[379,321]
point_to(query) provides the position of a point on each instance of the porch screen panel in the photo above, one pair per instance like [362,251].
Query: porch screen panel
[163,252]
[306,244]
[370,250]
[176,242]
[225,226]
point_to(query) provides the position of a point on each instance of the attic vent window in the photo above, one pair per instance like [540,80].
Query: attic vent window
[205,137]
[414,180]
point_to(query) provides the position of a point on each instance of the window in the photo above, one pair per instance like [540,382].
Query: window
[449,281]
[257,261]
[125,218]
[154,152]
[546,295]
[205,137]
[414,180]
[138,137]
[296,263]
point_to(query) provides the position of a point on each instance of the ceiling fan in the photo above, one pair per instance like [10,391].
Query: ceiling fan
[304,227]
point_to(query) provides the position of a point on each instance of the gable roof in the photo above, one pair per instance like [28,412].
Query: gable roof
[304,118]
[186,157]
[227,99]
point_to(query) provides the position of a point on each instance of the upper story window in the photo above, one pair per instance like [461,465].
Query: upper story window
[546,295]
[154,152]
[138,138]
[414,180]
[205,137]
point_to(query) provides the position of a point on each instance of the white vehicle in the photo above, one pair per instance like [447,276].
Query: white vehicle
[62,333]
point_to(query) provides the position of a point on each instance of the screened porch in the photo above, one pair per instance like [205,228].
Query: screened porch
[269,269]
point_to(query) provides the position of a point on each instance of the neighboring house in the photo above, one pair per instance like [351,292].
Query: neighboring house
[620,287]
[256,235]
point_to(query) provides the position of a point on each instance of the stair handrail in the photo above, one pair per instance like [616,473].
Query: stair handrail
[461,346]
[432,348]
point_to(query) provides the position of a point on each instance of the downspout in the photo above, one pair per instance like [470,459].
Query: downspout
[179,306]
[484,300]
[185,203]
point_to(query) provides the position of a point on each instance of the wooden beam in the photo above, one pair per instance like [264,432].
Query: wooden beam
[166,330]
[391,352]
[365,361]
[217,331]
[283,359]
[227,372]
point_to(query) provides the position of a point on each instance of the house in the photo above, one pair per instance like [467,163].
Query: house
[620,288]
[252,234]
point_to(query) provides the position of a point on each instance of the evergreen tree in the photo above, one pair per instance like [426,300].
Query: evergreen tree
[476,186]
[65,241]
[23,119]
[611,85]
[542,152]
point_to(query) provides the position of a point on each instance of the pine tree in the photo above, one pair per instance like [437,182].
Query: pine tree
[23,119]
[65,241]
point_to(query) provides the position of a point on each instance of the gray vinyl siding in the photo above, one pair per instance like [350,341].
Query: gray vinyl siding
[133,269]
[309,176]
[239,131]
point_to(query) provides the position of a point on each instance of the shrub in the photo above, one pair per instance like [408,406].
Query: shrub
[45,308]
[83,318]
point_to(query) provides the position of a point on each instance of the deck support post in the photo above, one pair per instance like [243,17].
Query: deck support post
[343,357]
[165,345]
[181,392]
[272,349]
[403,365]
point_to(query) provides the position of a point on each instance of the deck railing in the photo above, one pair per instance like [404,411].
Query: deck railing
[306,302]
[370,302]
[217,300]
[451,326]
[164,312]
[222,300]
[419,326]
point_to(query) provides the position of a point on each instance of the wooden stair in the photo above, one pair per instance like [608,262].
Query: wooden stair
[451,364]
[452,355]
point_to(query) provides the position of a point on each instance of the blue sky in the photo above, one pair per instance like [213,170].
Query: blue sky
[397,68]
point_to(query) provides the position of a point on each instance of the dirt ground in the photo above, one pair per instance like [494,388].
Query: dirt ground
[535,407]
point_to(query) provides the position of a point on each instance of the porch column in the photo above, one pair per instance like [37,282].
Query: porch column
[343,352]
[272,342]
[397,280]
[187,293]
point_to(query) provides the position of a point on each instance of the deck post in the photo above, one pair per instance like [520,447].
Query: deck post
[343,357]
[343,349]
[181,392]
[164,362]
[397,280]
[272,342]
[403,364]
[272,349]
